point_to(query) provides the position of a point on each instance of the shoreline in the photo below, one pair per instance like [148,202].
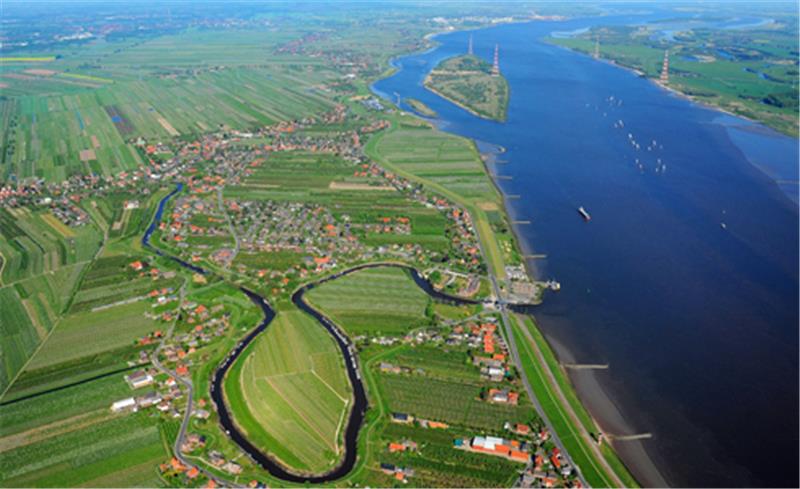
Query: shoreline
[590,392]
[455,102]
[608,417]
[637,462]
[672,90]
[705,105]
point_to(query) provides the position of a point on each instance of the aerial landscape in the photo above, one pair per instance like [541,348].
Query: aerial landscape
[399,244]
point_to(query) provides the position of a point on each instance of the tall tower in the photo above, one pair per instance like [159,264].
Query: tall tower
[597,48]
[469,47]
[665,68]
[496,65]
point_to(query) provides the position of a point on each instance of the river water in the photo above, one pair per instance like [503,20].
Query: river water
[698,321]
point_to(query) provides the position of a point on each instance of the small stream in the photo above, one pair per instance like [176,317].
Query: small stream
[360,404]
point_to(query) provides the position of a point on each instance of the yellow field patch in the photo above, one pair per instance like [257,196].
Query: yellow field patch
[27,59]
[78,76]
[59,226]
[487,206]
[41,332]
[87,154]
[40,72]
[167,126]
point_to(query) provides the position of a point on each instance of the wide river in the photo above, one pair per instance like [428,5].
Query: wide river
[698,321]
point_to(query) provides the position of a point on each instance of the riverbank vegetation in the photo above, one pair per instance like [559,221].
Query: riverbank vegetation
[421,108]
[468,81]
[748,72]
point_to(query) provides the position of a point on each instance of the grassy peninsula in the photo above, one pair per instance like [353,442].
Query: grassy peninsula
[468,82]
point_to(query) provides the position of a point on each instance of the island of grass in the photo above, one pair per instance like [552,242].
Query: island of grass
[421,108]
[468,82]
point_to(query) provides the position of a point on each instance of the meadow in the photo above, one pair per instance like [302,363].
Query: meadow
[375,301]
[294,392]
[467,81]
[448,165]
[112,452]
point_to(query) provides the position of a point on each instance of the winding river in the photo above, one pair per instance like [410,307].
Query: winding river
[360,404]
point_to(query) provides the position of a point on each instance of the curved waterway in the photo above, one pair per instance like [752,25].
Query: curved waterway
[685,281]
[360,404]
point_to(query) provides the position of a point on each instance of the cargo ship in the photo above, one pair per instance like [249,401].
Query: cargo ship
[585,215]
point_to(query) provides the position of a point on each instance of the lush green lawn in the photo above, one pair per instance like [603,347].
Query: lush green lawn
[377,301]
[447,164]
[60,405]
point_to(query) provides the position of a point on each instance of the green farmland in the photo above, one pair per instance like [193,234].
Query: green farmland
[394,304]
[449,165]
[291,395]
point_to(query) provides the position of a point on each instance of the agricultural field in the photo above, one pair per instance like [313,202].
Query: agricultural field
[105,452]
[402,375]
[742,71]
[41,263]
[36,242]
[295,393]
[394,304]
[447,164]
[60,133]
[468,81]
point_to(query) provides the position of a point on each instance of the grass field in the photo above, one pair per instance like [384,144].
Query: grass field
[121,451]
[46,134]
[34,243]
[376,301]
[88,333]
[467,81]
[455,402]
[294,393]
[563,424]
[447,164]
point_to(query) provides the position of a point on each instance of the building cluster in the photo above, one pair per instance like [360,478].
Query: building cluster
[400,473]
[492,445]
[410,419]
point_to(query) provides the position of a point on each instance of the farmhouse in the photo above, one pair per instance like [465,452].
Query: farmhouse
[149,399]
[492,445]
[138,379]
[402,418]
[503,396]
[129,403]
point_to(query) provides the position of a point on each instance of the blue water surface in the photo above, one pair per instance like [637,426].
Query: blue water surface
[685,281]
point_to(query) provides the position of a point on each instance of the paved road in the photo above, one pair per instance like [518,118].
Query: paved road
[512,348]
[187,417]
[593,446]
